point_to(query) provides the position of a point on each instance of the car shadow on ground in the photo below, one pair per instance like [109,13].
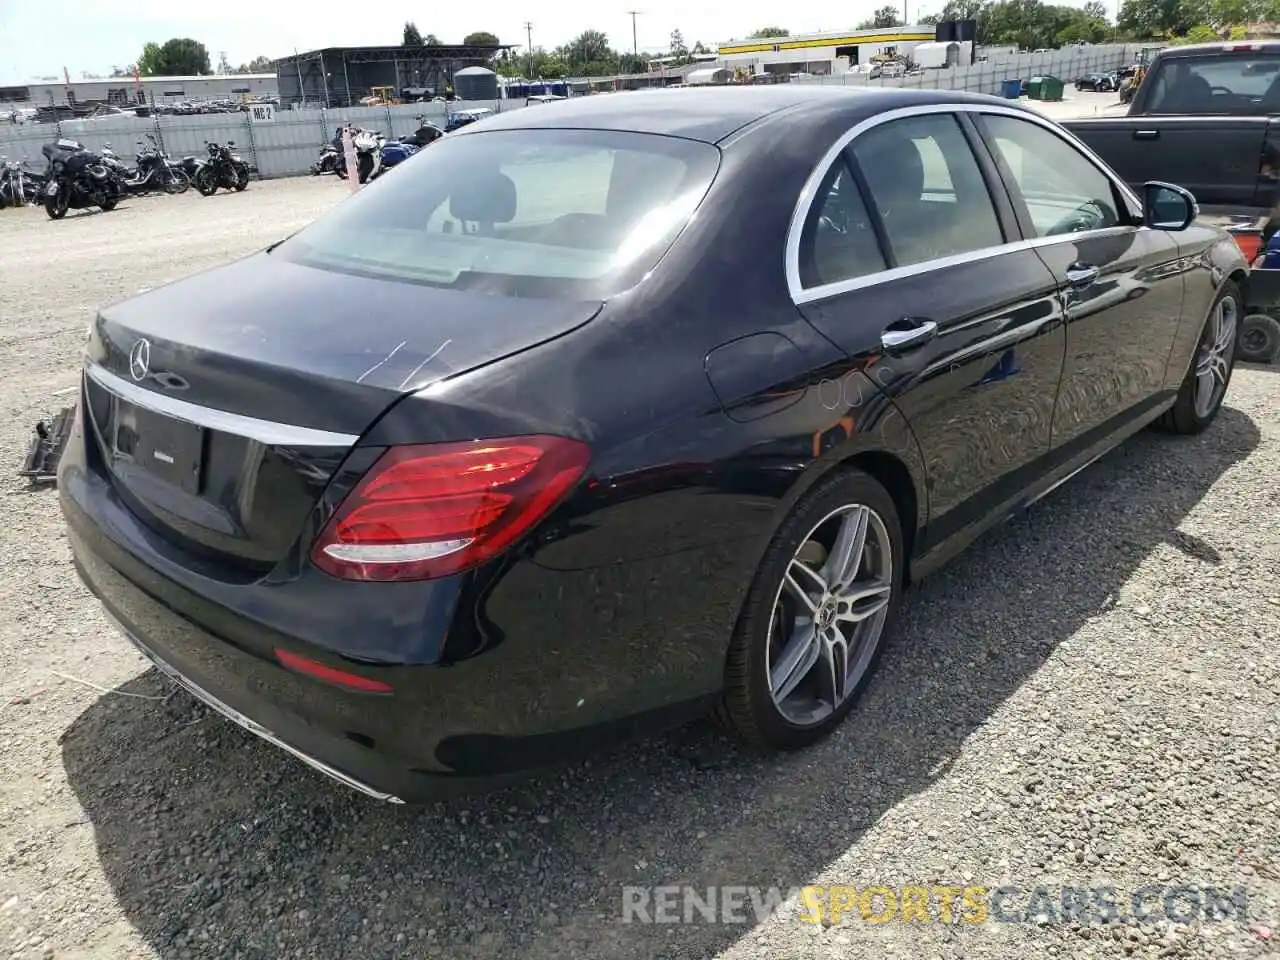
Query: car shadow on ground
[216,843]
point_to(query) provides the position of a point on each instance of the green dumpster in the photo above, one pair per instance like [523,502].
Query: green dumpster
[1051,88]
[1035,88]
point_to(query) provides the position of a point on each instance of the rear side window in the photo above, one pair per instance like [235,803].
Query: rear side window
[838,242]
[1227,84]
[927,188]
[548,213]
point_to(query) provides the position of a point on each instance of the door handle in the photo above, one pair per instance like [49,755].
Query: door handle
[1080,275]
[1146,134]
[907,334]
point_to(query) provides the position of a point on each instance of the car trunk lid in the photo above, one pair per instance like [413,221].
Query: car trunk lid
[222,405]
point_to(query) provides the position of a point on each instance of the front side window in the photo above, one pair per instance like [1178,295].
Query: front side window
[927,188]
[1064,191]
[547,213]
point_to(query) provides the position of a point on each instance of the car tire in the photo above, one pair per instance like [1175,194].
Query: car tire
[1215,357]
[1259,338]
[803,712]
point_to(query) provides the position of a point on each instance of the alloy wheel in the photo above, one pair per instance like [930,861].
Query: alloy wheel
[829,614]
[1213,362]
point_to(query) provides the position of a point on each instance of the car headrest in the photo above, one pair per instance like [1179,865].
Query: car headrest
[490,198]
[893,168]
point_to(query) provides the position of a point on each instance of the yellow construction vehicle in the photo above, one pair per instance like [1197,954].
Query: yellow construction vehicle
[381,97]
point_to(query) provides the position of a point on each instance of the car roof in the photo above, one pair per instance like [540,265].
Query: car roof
[712,114]
[1225,46]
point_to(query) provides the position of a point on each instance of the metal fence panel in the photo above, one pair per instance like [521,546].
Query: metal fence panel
[288,144]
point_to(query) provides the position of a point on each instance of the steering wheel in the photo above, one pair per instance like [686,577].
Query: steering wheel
[1090,215]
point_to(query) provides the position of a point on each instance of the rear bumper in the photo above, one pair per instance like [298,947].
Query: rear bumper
[541,694]
[236,717]
[262,697]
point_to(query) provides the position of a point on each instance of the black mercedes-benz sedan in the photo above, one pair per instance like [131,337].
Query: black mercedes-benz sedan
[594,419]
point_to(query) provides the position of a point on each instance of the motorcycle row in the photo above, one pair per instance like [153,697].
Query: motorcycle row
[77,178]
[375,154]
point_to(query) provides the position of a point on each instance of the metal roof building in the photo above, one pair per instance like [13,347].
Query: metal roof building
[341,76]
[124,91]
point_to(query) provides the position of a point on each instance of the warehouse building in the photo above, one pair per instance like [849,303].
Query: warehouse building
[344,76]
[126,91]
[822,54]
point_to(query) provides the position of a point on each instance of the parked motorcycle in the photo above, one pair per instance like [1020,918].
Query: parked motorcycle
[114,163]
[395,152]
[191,166]
[368,144]
[155,171]
[77,179]
[18,185]
[223,169]
[330,161]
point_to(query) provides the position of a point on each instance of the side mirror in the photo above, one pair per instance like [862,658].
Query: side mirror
[1167,207]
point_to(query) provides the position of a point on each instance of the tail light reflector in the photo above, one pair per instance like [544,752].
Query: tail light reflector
[433,510]
[339,678]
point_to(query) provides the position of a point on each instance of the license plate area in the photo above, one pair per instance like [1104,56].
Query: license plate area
[168,449]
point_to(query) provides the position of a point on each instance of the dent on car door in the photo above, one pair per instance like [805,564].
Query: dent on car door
[1121,283]
[904,260]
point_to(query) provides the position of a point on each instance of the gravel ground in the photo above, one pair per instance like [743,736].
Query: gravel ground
[1088,697]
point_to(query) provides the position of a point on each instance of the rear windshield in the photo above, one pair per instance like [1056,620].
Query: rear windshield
[1222,84]
[543,213]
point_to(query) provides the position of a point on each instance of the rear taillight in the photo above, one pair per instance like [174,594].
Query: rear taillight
[437,509]
[1250,245]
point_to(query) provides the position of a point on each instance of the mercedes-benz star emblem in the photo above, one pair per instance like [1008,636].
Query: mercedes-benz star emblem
[140,359]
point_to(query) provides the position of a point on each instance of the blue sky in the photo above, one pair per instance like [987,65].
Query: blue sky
[95,36]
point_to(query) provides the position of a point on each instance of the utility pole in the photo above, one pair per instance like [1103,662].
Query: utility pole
[635,45]
[528,33]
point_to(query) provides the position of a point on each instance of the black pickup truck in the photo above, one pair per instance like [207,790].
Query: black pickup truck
[1207,117]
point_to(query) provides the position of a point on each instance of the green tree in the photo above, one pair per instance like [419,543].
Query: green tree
[883,18]
[258,65]
[587,55]
[929,20]
[1162,18]
[765,33]
[412,38]
[481,38]
[149,60]
[179,57]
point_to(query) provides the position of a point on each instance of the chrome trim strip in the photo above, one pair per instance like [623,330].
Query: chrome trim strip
[1070,476]
[800,295]
[264,431]
[241,720]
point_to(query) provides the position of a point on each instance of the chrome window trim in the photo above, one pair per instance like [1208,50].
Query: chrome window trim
[264,431]
[801,295]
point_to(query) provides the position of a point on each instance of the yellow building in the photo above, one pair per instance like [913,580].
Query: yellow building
[821,53]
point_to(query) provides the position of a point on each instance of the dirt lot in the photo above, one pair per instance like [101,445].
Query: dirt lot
[1090,697]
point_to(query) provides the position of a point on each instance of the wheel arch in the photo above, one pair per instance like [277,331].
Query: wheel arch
[888,452]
